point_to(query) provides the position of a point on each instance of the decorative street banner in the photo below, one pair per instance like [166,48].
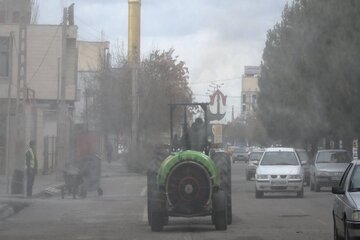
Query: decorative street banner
[217,108]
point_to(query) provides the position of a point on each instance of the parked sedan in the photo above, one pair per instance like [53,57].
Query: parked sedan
[253,162]
[328,167]
[279,170]
[346,210]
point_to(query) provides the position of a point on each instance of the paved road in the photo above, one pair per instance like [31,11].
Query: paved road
[121,214]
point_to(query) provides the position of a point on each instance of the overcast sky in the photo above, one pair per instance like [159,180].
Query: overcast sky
[216,38]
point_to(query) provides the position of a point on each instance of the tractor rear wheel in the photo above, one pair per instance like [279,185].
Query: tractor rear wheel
[223,163]
[158,213]
[152,172]
[219,216]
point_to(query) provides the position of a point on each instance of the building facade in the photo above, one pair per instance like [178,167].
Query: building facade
[93,58]
[46,46]
[249,90]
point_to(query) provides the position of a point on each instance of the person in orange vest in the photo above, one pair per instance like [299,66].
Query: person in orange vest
[31,167]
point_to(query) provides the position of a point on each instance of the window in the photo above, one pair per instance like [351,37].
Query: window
[333,157]
[279,158]
[254,98]
[355,180]
[4,56]
[343,178]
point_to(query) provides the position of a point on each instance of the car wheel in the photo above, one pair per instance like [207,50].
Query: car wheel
[336,235]
[316,186]
[346,232]
[311,185]
[300,194]
[259,194]
[63,192]
[248,176]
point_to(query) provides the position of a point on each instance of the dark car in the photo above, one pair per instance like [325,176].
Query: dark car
[253,162]
[328,167]
[240,154]
[305,162]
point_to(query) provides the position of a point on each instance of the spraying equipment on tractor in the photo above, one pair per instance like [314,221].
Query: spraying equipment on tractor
[194,180]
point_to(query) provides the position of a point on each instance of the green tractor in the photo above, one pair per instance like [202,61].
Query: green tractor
[192,179]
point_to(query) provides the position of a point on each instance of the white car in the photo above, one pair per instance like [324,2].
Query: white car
[346,210]
[279,170]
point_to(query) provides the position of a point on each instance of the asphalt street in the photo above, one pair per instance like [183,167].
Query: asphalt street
[121,214]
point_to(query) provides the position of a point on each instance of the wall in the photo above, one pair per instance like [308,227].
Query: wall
[44,48]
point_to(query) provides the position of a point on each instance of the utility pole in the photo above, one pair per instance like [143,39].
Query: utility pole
[134,61]
[9,128]
[60,138]
[17,184]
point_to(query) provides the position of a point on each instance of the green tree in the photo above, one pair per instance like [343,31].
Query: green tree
[163,80]
[310,79]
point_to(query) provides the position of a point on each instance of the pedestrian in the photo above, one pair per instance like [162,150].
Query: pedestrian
[109,151]
[31,167]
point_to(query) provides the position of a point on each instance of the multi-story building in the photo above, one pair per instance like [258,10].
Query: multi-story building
[46,46]
[93,58]
[249,90]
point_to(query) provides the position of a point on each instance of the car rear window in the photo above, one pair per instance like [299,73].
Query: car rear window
[333,157]
[255,156]
[279,158]
[240,150]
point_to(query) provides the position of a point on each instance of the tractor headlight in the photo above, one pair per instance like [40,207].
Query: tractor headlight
[355,216]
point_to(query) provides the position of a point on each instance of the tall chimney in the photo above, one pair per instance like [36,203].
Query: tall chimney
[134,31]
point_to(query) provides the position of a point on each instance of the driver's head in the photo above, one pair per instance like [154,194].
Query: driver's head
[199,121]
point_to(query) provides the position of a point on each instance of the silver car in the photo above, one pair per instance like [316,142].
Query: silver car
[328,167]
[279,170]
[346,211]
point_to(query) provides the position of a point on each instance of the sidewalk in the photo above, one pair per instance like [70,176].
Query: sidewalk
[42,182]
[46,186]
[10,204]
